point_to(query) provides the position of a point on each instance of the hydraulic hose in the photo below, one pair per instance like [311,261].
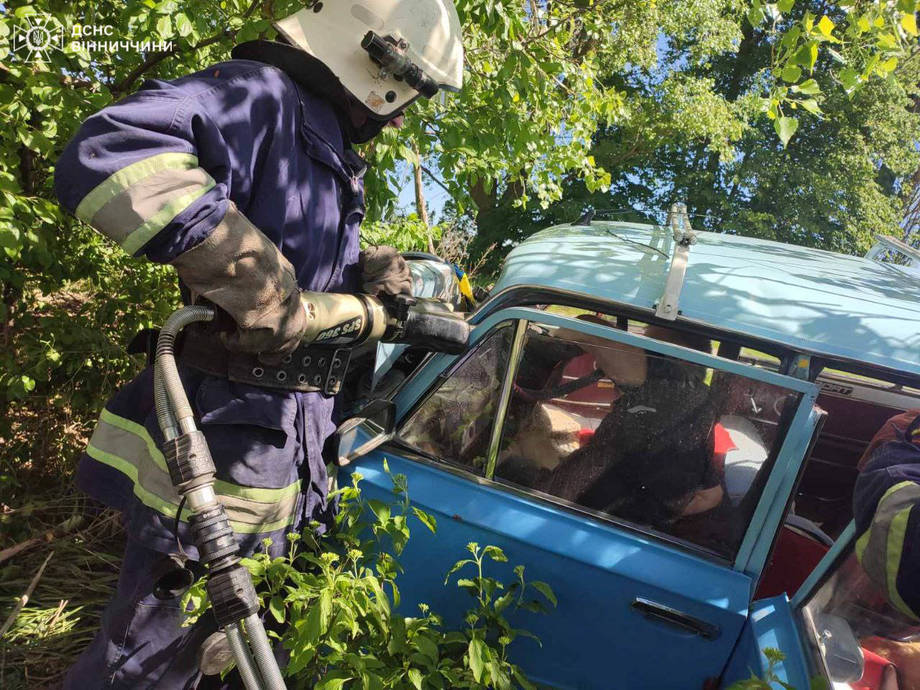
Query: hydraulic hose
[165,417]
[333,319]
[262,651]
[172,392]
[243,657]
[191,471]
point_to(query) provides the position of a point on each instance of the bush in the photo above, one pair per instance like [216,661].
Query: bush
[334,598]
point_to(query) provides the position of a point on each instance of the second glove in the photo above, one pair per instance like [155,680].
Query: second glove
[384,272]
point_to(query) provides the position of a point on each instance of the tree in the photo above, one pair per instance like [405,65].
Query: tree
[696,132]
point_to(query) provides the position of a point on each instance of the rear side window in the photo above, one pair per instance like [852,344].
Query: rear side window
[654,440]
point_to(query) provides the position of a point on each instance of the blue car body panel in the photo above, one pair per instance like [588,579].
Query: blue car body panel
[771,624]
[595,639]
[840,306]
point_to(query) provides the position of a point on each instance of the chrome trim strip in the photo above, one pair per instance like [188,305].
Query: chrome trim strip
[517,347]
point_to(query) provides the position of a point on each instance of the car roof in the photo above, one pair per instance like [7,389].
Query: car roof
[843,307]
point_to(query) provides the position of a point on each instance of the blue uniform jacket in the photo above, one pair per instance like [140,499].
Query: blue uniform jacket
[155,173]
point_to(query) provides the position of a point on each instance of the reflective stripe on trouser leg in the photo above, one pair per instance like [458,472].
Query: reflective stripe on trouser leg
[127,447]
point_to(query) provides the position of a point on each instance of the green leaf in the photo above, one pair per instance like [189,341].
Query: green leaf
[456,566]
[522,679]
[415,677]
[811,105]
[785,5]
[311,627]
[849,78]
[325,607]
[889,65]
[427,648]
[427,520]
[495,553]
[276,607]
[807,55]
[476,651]
[756,14]
[809,87]
[826,27]
[468,585]
[774,655]
[164,27]
[785,127]
[791,74]
[545,590]
[503,601]
[183,25]
[380,509]
[331,683]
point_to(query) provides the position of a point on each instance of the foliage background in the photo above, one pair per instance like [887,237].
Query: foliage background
[622,104]
[618,104]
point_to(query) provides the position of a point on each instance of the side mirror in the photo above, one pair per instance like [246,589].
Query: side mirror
[372,426]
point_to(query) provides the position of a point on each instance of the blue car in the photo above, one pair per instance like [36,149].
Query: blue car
[665,426]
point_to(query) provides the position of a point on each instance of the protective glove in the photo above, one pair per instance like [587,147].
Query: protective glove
[241,271]
[384,272]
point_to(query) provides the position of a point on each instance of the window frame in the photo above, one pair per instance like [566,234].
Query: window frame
[759,534]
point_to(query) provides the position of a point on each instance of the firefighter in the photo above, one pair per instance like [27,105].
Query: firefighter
[243,178]
[886,508]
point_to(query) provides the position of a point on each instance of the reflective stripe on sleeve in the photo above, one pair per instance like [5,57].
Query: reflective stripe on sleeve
[135,203]
[127,447]
[880,548]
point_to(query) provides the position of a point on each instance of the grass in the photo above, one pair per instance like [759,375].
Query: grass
[63,611]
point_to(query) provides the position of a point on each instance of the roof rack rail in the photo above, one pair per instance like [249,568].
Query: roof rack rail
[679,222]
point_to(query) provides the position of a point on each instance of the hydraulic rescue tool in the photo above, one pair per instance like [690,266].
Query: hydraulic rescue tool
[337,322]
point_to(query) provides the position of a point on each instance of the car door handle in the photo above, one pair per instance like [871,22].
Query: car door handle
[679,619]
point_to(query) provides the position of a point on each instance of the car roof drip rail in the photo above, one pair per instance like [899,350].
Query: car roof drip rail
[684,236]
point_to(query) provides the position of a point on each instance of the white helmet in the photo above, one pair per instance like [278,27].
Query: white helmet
[386,53]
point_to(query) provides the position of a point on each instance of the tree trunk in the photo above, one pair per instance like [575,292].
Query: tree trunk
[420,206]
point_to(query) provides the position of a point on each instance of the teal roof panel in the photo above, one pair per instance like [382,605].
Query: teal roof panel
[846,307]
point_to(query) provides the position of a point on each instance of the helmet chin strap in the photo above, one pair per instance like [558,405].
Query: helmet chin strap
[313,75]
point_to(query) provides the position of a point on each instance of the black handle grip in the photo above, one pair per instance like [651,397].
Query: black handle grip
[679,619]
[435,332]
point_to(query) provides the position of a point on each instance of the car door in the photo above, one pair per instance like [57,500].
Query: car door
[604,482]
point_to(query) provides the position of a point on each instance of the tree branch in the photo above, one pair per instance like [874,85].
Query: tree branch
[156,58]
[435,179]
